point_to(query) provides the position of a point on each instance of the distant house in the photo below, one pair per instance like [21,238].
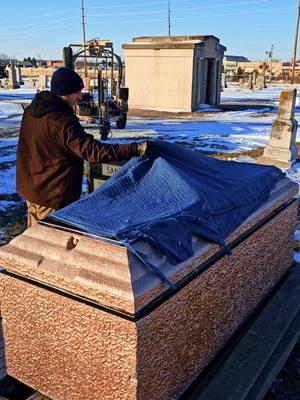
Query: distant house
[55,63]
[27,64]
[231,63]
[41,63]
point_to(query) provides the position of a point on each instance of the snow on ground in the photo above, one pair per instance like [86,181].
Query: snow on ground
[7,167]
[209,134]
[7,181]
[10,111]
[24,94]
[208,131]
[269,95]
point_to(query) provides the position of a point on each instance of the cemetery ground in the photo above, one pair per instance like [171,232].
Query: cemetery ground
[239,131]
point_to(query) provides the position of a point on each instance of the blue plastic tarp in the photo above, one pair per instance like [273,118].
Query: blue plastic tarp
[166,200]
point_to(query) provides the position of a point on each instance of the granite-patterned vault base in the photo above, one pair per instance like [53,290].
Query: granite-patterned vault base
[83,319]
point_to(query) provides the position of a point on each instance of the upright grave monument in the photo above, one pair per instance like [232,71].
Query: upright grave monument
[43,82]
[12,77]
[19,77]
[282,150]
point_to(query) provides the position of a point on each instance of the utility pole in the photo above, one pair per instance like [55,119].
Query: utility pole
[83,32]
[271,58]
[295,46]
[169,16]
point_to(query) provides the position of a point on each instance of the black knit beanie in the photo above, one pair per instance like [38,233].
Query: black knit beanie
[65,81]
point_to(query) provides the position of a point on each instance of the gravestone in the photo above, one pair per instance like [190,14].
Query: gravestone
[4,82]
[254,74]
[31,82]
[99,173]
[19,76]
[250,82]
[282,150]
[12,77]
[260,82]
[43,82]
[224,81]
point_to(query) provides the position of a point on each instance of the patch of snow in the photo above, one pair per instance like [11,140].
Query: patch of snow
[207,108]
[8,142]
[8,110]
[4,205]
[7,181]
[293,173]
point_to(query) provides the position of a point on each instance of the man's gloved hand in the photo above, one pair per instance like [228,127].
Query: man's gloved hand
[147,149]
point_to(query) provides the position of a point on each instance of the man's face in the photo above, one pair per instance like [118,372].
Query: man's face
[72,98]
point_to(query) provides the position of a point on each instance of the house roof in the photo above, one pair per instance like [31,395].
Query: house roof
[236,58]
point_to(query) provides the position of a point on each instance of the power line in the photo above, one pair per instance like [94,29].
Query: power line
[238,13]
[272,10]
[122,14]
[177,10]
[35,17]
[139,4]
[140,12]
[228,4]
[190,17]
[56,20]
[122,5]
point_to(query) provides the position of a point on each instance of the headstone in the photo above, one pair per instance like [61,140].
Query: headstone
[12,77]
[254,78]
[4,82]
[43,82]
[261,82]
[19,76]
[224,81]
[250,83]
[31,82]
[282,150]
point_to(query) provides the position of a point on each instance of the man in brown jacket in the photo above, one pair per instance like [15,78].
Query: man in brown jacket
[53,146]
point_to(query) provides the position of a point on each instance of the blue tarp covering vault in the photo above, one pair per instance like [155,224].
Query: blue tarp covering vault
[167,199]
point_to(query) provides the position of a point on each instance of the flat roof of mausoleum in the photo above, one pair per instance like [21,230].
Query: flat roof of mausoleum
[168,41]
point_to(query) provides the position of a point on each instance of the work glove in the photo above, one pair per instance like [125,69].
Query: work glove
[147,149]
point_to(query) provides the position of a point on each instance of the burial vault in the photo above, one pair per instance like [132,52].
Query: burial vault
[174,73]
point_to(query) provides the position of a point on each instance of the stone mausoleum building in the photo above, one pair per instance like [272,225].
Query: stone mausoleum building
[173,73]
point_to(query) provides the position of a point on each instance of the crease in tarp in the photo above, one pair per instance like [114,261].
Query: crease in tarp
[166,200]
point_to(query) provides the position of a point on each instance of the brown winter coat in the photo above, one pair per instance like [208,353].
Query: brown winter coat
[52,147]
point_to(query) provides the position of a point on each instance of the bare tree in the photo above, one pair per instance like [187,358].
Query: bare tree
[4,60]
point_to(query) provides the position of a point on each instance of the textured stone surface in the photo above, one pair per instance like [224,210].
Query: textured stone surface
[188,330]
[64,349]
[91,268]
[68,350]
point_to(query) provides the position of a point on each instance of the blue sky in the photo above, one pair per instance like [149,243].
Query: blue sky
[42,28]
